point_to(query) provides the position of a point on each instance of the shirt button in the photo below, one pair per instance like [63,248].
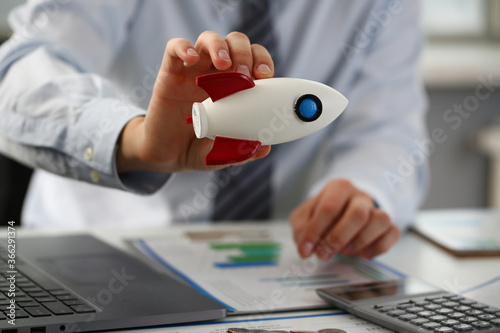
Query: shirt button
[88,154]
[94,176]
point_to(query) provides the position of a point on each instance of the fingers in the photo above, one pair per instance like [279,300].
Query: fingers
[298,219]
[178,52]
[342,219]
[251,60]
[214,51]
[263,66]
[383,243]
[325,209]
[241,53]
[354,219]
[234,52]
[379,224]
[262,152]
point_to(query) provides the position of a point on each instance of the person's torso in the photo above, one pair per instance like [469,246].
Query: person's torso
[317,41]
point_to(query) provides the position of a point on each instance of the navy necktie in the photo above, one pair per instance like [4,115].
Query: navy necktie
[247,194]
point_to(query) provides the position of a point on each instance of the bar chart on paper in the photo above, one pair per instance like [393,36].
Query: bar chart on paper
[259,275]
[248,254]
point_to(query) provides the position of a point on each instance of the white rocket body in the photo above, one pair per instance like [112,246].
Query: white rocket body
[241,115]
[267,112]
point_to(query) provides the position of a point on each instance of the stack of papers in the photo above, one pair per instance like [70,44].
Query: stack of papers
[257,272]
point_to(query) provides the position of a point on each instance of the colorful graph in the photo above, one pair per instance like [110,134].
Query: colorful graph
[248,254]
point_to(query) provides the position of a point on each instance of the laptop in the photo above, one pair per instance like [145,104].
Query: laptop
[80,284]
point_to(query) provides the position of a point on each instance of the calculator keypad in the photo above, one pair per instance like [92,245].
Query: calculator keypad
[444,314]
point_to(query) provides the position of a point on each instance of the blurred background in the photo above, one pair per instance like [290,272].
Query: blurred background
[460,62]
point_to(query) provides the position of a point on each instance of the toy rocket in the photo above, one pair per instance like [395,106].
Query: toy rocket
[241,115]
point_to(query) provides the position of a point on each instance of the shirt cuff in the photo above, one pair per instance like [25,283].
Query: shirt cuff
[93,143]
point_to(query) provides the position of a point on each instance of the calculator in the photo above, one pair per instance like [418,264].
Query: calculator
[410,305]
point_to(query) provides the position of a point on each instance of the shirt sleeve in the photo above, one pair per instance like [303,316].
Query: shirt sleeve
[380,141]
[58,112]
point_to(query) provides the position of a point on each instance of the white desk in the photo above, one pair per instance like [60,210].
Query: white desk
[412,255]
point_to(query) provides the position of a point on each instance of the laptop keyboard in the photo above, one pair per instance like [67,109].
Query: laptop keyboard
[36,295]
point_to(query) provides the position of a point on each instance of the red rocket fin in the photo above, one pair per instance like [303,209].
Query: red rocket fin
[220,85]
[228,151]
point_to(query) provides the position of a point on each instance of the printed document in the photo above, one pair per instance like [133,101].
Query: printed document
[257,274]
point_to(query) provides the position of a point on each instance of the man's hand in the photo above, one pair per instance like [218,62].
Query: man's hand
[342,219]
[162,141]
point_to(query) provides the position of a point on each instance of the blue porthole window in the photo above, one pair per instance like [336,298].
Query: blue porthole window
[308,107]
